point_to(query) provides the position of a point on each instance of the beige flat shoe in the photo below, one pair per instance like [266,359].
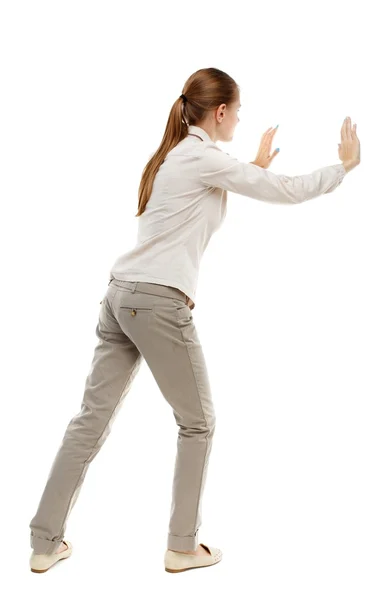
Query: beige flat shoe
[176,562]
[40,563]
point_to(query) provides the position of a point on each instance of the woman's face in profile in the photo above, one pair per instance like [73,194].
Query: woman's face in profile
[231,119]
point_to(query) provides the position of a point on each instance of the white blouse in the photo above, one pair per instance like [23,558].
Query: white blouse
[188,204]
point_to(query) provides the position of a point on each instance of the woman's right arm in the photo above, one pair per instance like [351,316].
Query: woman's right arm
[219,169]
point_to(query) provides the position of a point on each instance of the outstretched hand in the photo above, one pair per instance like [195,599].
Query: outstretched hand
[349,149]
[264,156]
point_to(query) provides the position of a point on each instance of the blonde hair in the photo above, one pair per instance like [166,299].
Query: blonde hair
[205,89]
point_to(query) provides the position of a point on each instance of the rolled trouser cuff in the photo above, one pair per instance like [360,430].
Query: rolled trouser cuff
[44,546]
[179,543]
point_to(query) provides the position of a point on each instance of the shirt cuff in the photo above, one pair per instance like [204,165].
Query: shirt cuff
[342,168]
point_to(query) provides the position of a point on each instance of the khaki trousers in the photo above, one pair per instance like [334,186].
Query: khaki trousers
[137,320]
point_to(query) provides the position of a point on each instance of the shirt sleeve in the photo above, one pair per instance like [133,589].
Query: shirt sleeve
[219,169]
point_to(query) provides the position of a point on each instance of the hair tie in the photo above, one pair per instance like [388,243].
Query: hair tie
[184,97]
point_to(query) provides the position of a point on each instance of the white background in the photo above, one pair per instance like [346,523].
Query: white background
[293,302]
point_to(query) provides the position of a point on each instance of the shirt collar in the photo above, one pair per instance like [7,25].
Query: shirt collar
[199,131]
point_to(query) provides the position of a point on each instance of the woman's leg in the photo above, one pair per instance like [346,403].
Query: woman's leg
[115,363]
[168,340]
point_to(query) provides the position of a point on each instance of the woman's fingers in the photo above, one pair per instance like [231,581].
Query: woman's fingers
[348,133]
[266,133]
[343,129]
[270,131]
[346,129]
[268,137]
[264,156]
[349,128]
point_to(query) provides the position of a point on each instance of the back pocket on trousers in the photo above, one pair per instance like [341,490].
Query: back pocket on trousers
[136,309]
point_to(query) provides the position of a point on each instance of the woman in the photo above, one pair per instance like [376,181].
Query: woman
[146,312]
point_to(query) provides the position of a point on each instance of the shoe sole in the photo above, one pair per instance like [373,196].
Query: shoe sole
[189,568]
